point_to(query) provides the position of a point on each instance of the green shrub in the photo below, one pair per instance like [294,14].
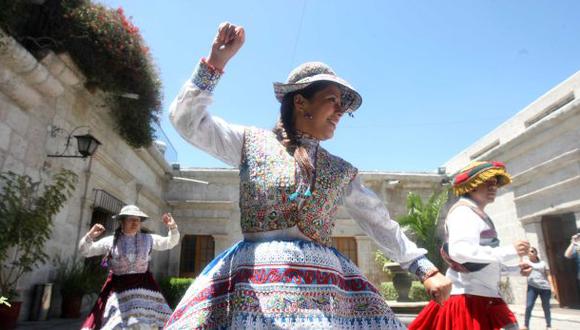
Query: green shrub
[416,293]
[173,289]
[388,291]
[27,209]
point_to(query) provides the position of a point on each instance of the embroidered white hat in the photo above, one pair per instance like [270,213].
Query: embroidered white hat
[132,210]
[310,72]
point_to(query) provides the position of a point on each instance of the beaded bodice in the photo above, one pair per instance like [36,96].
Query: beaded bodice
[273,194]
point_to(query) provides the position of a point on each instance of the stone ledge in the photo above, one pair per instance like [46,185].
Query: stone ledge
[562,208]
[18,90]
[25,65]
[547,189]
[204,204]
[62,67]
[554,163]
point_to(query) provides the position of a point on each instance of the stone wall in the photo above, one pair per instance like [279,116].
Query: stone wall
[42,100]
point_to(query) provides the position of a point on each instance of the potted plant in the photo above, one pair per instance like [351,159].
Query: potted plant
[422,222]
[401,279]
[26,212]
[76,279]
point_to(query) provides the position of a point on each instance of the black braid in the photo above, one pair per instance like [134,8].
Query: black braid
[285,129]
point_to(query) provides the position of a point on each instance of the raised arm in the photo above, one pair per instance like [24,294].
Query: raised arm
[89,248]
[165,243]
[569,253]
[188,110]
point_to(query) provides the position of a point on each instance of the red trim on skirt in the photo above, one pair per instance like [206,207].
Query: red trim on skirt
[117,283]
[466,312]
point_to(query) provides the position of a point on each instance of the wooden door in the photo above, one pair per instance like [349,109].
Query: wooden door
[557,230]
[346,246]
[196,252]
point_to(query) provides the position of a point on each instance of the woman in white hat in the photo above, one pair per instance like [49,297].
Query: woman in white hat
[285,274]
[130,297]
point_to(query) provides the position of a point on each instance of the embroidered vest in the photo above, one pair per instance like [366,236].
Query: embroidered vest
[268,180]
[131,255]
[486,238]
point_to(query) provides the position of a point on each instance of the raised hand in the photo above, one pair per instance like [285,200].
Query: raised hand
[96,230]
[522,247]
[227,42]
[168,221]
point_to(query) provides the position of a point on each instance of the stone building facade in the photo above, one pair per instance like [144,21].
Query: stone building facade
[541,148]
[41,102]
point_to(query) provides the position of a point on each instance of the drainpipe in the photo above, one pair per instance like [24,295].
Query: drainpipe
[83,203]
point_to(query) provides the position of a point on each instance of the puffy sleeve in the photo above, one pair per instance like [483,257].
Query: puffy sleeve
[188,113]
[165,243]
[90,248]
[372,215]
[464,227]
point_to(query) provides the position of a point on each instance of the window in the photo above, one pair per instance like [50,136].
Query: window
[346,246]
[105,218]
[196,252]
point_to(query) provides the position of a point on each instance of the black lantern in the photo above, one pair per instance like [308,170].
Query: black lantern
[86,143]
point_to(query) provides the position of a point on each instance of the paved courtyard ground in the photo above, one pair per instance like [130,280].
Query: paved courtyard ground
[562,319]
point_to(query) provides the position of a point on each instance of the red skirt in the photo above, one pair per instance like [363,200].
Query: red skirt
[466,312]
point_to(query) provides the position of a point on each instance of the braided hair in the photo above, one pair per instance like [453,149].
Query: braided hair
[285,129]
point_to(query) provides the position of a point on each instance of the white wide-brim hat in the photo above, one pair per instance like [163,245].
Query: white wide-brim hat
[131,210]
[311,72]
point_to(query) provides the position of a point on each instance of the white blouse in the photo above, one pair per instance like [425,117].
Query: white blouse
[132,252]
[464,227]
[224,141]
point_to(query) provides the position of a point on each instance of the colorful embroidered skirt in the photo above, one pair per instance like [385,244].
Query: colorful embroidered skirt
[132,300]
[282,285]
[466,312]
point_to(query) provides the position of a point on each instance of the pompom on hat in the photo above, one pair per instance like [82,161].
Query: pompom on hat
[131,211]
[310,72]
[477,173]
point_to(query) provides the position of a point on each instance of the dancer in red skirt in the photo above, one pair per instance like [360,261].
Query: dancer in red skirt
[475,257]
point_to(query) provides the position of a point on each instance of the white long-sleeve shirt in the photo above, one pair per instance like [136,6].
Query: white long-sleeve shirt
[464,227]
[132,253]
[189,115]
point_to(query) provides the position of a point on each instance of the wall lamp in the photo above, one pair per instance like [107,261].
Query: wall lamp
[86,143]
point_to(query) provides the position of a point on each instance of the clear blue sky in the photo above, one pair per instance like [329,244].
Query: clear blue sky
[435,76]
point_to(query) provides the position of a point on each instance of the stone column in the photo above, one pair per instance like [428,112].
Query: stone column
[365,254]
[221,243]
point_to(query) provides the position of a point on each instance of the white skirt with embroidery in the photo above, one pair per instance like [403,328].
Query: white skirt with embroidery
[282,285]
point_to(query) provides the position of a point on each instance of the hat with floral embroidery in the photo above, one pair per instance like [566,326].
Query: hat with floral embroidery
[477,173]
[310,72]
